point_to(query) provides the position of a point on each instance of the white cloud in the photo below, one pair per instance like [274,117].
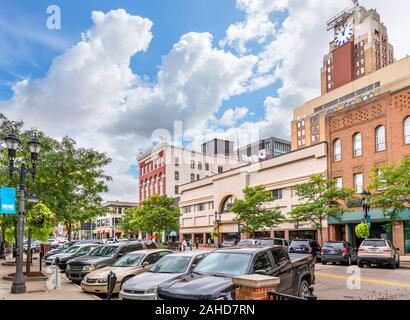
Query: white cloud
[232,116]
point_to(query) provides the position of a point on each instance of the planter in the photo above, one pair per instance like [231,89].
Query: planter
[33,276]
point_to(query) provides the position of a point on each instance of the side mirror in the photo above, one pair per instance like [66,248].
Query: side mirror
[261,272]
[145,264]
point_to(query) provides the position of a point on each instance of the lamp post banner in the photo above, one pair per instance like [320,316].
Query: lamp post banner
[8,200]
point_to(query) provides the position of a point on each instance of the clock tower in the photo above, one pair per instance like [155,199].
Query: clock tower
[360,46]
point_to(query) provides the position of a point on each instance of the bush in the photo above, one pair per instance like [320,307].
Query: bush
[362,230]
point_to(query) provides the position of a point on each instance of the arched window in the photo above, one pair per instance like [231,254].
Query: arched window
[357,145]
[407,130]
[154,185]
[337,150]
[380,138]
[161,191]
[227,204]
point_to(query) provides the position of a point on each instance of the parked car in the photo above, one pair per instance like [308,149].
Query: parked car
[378,251]
[247,242]
[339,251]
[71,253]
[272,241]
[306,246]
[211,279]
[67,245]
[124,268]
[35,245]
[229,243]
[100,257]
[144,286]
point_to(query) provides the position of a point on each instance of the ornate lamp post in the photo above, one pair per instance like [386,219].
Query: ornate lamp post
[218,220]
[12,143]
[366,204]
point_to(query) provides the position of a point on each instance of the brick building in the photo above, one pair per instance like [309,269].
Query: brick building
[360,139]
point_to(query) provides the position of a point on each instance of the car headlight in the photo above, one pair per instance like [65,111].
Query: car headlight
[89,268]
[102,280]
[153,290]
[68,267]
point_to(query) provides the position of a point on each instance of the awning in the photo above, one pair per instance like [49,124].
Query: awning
[173,234]
[377,215]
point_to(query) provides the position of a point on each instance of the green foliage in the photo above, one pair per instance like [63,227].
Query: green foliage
[391,188]
[156,214]
[362,230]
[320,199]
[254,211]
[41,221]
[214,233]
[127,224]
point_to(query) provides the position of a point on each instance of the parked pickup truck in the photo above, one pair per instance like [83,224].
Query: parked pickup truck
[211,279]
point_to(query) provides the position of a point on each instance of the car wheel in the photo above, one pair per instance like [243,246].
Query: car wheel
[393,264]
[360,264]
[324,262]
[125,280]
[303,288]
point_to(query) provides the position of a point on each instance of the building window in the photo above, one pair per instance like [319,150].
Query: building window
[337,150]
[176,162]
[358,182]
[380,138]
[176,175]
[339,182]
[277,194]
[206,166]
[192,177]
[357,145]
[220,169]
[192,164]
[201,207]
[199,165]
[160,191]
[227,204]
[198,177]
[176,190]
[407,130]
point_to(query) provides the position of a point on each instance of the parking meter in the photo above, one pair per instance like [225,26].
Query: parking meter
[111,281]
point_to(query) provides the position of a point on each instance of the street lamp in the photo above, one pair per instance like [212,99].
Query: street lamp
[366,204]
[12,143]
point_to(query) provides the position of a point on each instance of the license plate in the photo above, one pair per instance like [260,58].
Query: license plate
[333,252]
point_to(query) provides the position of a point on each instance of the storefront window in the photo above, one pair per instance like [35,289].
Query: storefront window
[407,236]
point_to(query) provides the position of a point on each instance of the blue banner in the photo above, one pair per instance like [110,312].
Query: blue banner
[8,200]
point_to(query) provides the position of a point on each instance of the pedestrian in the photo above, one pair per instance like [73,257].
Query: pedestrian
[184,245]
[190,246]
[197,244]
[209,242]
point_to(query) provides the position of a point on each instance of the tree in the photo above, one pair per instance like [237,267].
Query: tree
[126,223]
[320,199]
[391,188]
[254,212]
[155,215]
[40,223]
[77,179]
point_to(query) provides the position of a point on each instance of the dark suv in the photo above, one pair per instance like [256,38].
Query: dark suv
[102,256]
[339,251]
[306,246]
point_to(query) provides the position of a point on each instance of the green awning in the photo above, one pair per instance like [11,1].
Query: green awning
[376,215]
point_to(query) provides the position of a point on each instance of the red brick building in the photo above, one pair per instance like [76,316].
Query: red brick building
[360,139]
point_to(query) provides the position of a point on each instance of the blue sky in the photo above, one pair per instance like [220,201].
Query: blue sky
[37,46]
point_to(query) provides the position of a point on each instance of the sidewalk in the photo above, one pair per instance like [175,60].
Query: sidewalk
[42,290]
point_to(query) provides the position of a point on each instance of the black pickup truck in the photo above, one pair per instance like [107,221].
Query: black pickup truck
[211,279]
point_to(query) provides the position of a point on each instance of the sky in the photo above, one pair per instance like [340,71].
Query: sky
[116,75]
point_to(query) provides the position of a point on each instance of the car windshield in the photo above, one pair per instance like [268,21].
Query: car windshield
[224,263]
[130,260]
[171,264]
[334,245]
[245,242]
[374,243]
[265,242]
[65,246]
[104,251]
[299,243]
[72,249]
[85,250]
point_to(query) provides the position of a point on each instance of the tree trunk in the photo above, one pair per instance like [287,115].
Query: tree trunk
[321,234]
[28,255]
[68,226]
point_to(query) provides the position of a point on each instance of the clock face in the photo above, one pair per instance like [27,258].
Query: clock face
[343,34]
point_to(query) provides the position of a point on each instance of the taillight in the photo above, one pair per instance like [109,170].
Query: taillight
[387,250]
[344,250]
[361,249]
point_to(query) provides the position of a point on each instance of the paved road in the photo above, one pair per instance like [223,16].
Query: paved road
[337,282]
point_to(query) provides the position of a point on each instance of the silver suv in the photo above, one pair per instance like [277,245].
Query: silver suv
[378,251]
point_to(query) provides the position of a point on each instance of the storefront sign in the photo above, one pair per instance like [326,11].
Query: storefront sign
[8,200]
